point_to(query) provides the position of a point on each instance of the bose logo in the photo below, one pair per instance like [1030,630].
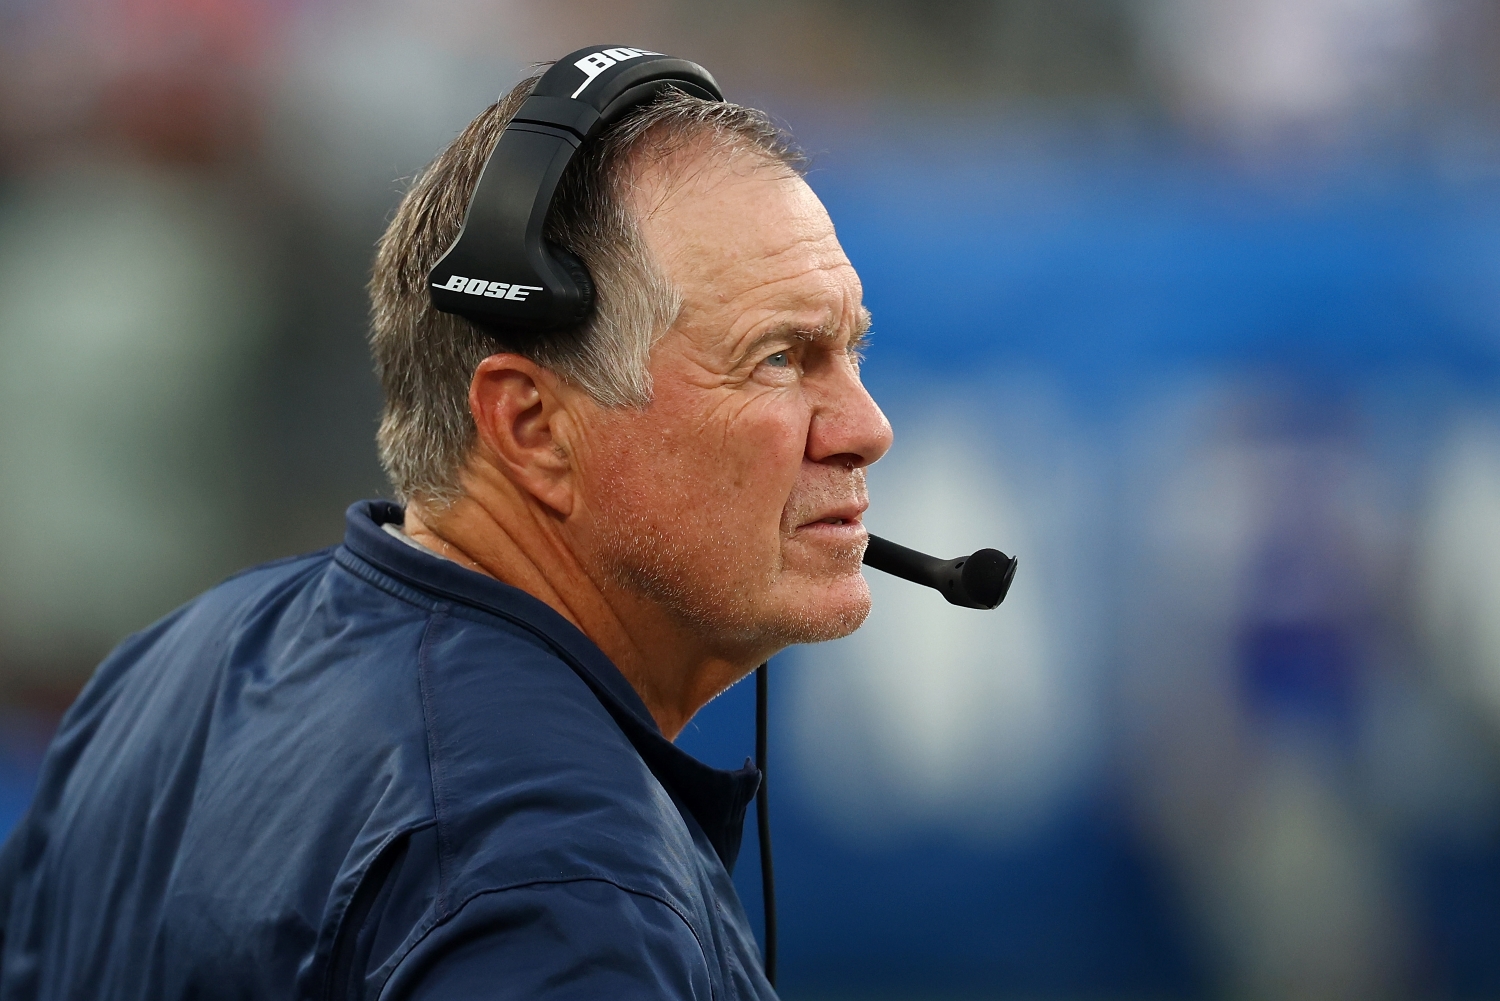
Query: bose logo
[495,290]
[597,62]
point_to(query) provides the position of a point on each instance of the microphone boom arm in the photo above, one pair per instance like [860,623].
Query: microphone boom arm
[980,580]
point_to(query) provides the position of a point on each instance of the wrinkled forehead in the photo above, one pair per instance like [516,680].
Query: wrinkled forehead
[741,231]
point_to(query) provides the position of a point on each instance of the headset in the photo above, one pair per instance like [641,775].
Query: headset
[502,274]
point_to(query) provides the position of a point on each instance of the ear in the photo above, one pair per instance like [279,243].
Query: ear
[524,428]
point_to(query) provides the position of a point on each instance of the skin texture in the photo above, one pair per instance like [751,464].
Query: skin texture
[693,538]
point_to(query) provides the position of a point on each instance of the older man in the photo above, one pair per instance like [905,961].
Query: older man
[436,761]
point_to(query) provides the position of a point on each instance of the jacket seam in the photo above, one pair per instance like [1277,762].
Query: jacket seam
[435,759]
[554,881]
[381,581]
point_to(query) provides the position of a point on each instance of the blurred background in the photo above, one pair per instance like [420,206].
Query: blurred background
[1193,304]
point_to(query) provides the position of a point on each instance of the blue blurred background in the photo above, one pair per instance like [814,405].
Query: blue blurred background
[1193,304]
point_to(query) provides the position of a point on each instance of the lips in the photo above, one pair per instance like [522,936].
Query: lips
[827,500]
[844,515]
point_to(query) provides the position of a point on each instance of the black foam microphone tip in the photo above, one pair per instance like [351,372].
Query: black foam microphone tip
[987,575]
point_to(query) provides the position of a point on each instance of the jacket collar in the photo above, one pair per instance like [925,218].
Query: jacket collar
[716,799]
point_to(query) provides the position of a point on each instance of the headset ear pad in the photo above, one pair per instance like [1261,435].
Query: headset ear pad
[574,268]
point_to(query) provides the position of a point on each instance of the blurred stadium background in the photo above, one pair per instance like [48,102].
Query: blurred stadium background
[1194,304]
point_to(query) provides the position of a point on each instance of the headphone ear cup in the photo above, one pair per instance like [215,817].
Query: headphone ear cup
[584,281]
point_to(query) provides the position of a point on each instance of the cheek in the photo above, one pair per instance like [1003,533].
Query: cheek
[726,474]
[774,441]
[762,459]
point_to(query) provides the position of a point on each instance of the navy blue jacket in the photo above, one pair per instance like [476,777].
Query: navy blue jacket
[372,773]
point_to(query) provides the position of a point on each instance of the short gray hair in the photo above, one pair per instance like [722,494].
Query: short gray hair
[425,359]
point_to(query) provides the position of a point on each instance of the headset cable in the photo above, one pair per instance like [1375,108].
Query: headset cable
[763,825]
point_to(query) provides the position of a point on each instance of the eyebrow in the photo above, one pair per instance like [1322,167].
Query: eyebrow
[861,329]
[815,334]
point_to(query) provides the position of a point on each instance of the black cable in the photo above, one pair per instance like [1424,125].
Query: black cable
[763,825]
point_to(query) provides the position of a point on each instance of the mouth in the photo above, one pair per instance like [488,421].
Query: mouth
[847,517]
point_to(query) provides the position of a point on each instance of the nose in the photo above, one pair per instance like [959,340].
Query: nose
[848,427]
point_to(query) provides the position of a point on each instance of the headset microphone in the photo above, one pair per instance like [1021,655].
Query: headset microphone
[978,581]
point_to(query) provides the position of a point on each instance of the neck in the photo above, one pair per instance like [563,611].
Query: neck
[526,546]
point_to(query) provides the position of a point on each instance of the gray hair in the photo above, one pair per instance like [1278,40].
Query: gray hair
[425,359]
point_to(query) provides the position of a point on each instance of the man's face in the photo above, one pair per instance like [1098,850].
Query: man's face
[735,498]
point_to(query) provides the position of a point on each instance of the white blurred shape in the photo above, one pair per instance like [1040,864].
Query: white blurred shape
[1460,560]
[931,714]
[1308,898]
[127,304]
[1257,811]
[1269,62]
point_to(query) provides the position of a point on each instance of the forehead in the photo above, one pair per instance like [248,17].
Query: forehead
[739,233]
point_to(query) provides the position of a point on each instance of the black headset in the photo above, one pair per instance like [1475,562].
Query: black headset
[500,272]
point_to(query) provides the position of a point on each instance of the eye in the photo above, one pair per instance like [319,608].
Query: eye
[780,359]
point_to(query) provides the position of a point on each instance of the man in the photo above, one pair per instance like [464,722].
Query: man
[435,761]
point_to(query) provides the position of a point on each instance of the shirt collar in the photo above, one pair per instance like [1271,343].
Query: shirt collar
[716,799]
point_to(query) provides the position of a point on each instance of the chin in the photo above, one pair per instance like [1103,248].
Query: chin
[828,610]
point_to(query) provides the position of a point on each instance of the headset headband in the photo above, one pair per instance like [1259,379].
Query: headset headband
[500,272]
